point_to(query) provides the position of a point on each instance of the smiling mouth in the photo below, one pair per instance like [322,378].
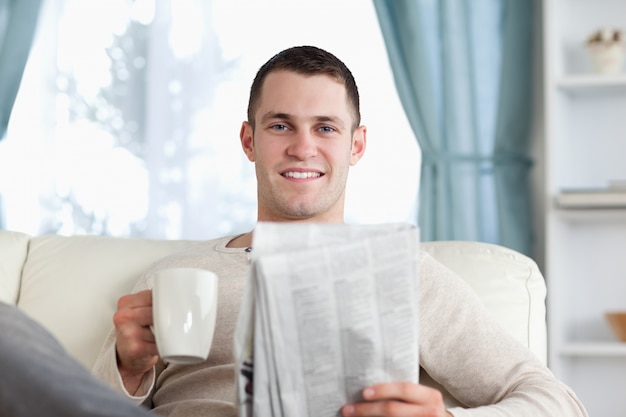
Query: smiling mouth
[301,175]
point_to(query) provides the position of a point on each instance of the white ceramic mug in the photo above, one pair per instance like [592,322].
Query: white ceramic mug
[184,304]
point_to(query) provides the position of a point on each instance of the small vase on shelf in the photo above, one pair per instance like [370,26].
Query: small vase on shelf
[606,49]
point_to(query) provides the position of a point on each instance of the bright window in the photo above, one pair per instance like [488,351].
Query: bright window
[128,116]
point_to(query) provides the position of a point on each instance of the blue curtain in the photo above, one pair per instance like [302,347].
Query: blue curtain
[18,20]
[463,71]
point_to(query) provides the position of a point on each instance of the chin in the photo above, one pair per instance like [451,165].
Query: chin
[301,212]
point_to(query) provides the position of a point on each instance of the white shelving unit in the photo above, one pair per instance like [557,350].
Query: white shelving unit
[585,147]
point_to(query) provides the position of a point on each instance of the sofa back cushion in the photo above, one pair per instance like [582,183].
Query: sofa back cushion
[71,284]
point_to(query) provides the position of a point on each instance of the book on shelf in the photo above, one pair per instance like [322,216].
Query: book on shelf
[592,198]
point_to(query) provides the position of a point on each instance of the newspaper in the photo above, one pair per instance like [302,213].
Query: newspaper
[328,309]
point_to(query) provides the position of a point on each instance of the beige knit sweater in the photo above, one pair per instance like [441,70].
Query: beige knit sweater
[479,367]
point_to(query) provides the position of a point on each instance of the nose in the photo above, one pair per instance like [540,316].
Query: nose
[303,146]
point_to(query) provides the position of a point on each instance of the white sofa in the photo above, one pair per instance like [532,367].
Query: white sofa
[71,284]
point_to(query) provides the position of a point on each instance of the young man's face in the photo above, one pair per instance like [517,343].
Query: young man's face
[302,147]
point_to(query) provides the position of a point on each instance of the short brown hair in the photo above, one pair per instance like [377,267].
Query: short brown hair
[306,60]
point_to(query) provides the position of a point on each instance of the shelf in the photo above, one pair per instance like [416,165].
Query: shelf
[592,84]
[594,349]
[591,215]
[584,125]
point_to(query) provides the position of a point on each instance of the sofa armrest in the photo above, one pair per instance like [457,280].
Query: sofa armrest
[13,252]
[508,282]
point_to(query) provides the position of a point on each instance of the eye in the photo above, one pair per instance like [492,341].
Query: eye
[327,129]
[279,127]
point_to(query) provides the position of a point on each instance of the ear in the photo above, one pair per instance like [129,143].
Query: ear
[359,140]
[247,141]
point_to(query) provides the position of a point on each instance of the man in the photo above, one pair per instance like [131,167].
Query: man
[303,133]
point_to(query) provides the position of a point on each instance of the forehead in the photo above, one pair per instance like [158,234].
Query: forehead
[303,95]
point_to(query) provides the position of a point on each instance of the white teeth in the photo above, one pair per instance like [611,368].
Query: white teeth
[302,175]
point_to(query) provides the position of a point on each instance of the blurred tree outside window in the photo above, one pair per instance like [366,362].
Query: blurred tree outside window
[128,116]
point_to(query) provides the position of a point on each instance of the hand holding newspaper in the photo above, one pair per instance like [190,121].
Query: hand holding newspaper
[328,310]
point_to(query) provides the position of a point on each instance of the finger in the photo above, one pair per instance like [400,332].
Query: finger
[391,408]
[134,351]
[131,317]
[136,344]
[147,335]
[139,299]
[144,317]
[404,391]
[136,358]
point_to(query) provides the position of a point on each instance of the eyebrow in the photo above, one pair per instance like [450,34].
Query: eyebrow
[286,116]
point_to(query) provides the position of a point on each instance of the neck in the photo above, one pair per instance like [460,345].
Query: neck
[245,240]
[241,241]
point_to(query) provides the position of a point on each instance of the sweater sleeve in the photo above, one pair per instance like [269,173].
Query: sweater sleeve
[478,362]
